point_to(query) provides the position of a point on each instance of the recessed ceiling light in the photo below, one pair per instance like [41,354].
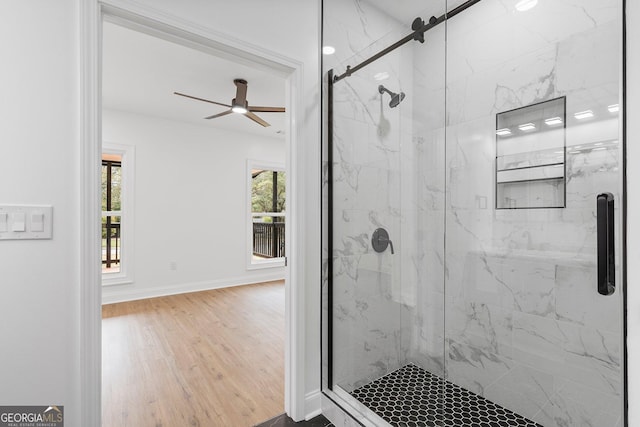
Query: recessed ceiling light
[503,132]
[328,50]
[614,108]
[383,75]
[527,126]
[553,121]
[598,143]
[581,115]
[524,5]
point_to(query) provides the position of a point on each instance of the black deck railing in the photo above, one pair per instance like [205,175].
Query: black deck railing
[268,239]
[111,244]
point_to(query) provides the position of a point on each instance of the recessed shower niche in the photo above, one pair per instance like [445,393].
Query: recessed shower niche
[530,156]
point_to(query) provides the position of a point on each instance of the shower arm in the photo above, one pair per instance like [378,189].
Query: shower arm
[382,89]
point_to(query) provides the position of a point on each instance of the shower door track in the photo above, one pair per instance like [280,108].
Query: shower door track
[419,27]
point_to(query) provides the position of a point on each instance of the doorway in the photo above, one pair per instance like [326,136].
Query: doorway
[91,294]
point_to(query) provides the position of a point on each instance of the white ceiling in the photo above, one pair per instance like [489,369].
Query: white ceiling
[141,72]
[405,11]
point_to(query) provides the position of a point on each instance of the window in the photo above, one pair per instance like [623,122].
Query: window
[111,212]
[117,214]
[267,202]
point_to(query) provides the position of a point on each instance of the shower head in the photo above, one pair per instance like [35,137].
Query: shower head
[396,98]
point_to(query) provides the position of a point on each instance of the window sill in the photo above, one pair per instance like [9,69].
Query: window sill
[117,280]
[259,265]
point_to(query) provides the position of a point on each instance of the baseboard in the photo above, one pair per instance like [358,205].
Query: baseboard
[137,294]
[312,404]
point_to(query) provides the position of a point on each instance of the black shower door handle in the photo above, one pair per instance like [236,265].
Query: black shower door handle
[606,245]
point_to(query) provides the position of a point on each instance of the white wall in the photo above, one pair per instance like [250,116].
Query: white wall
[190,204]
[39,280]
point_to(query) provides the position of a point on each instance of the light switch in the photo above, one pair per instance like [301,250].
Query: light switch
[26,222]
[18,222]
[37,221]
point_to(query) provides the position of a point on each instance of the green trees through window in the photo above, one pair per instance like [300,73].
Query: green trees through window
[262,197]
[268,202]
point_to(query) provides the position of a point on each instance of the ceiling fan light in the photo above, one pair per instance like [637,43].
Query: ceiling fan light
[238,109]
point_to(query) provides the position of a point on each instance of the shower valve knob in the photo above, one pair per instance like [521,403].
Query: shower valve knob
[380,240]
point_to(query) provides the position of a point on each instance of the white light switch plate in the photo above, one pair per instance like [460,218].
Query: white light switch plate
[35,221]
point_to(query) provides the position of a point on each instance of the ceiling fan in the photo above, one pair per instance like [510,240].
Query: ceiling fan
[239,104]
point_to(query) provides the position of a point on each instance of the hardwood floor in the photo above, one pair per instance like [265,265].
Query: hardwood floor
[213,358]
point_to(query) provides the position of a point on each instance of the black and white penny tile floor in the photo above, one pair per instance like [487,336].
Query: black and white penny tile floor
[412,397]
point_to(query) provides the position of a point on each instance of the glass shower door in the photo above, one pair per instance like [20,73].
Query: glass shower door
[386,278]
[366,282]
[533,211]
[367,241]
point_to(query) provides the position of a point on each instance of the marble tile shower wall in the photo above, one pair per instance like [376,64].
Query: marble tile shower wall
[375,185]
[424,165]
[380,153]
[525,326]
[367,195]
[376,149]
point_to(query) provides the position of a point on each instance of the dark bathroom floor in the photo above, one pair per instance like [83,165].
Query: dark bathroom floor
[412,397]
[284,421]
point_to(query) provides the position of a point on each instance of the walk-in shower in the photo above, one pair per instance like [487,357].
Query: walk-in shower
[473,257]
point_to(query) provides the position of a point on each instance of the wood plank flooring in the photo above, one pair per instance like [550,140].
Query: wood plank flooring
[213,358]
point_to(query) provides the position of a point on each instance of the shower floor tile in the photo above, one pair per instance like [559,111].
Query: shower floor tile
[412,397]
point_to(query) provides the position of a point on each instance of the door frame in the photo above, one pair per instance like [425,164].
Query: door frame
[169,27]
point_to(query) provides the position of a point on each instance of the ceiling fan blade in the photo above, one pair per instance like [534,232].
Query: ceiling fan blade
[241,92]
[256,119]
[266,109]
[224,113]
[202,99]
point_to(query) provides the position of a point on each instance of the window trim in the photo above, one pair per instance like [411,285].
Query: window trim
[127,217]
[269,263]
